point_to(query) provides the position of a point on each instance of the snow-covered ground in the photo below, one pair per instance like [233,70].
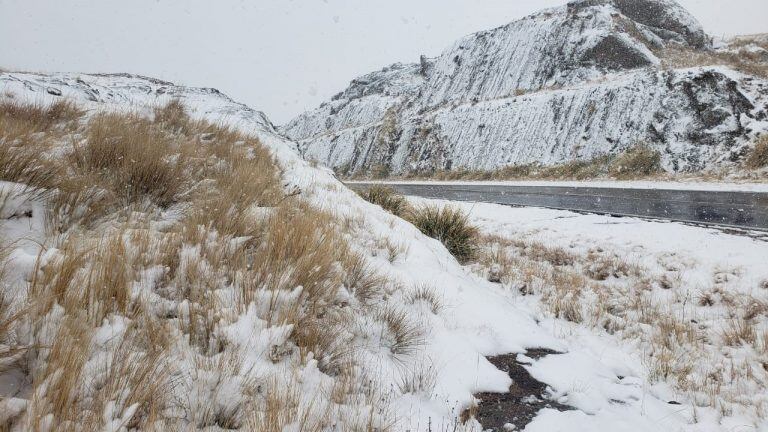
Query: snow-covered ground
[703,280]
[459,318]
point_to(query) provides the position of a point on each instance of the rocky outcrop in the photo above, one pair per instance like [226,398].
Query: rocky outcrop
[567,83]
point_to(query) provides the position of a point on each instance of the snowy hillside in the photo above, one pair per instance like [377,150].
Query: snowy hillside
[267,298]
[409,328]
[574,82]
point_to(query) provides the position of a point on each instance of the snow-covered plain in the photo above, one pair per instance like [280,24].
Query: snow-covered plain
[604,379]
[709,278]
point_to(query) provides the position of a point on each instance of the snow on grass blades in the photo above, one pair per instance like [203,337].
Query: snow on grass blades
[171,245]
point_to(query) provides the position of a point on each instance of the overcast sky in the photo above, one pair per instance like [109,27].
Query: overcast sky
[279,56]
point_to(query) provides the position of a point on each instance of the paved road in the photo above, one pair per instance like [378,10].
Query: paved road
[735,209]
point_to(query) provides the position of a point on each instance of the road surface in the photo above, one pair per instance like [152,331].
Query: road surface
[726,208]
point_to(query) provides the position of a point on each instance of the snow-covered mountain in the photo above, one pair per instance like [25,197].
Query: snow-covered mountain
[572,82]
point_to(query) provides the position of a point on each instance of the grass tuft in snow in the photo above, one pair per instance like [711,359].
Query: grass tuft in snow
[402,335]
[174,117]
[22,119]
[639,161]
[758,157]
[131,157]
[388,199]
[449,225]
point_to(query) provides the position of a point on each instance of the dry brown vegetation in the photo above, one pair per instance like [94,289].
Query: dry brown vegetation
[640,161]
[758,157]
[450,226]
[166,288]
[447,224]
[387,198]
[21,126]
[683,345]
[739,57]
[637,162]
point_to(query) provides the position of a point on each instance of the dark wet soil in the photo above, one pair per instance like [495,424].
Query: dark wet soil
[525,399]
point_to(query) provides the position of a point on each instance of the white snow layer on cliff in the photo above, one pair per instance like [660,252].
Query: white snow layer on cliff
[566,83]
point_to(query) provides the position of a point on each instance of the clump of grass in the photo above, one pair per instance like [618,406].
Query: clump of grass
[447,224]
[758,157]
[174,117]
[739,332]
[450,226]
[131,157]
[556,256]
[20,164]
[36,117]
[639,161]
[418,380]
[22,146]
[387,198]
[360,278]
[577,170]
[403,336]
[300,249]
[427,295]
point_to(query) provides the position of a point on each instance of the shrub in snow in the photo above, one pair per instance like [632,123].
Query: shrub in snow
[758,158]
[450,226]
[640,161]
[387,198]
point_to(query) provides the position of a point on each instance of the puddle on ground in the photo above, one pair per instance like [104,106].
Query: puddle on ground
[525,399]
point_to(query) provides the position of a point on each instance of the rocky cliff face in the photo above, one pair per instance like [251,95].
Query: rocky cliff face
[567,83]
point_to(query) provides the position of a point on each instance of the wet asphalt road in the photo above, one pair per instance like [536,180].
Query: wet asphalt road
[735,209]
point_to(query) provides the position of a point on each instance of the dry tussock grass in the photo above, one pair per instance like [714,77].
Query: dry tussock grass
[428,295]
[743,60]
[361,279]
[419,380]
[130,157]
[404,335]
[24,134]
[636,162]
[450,226]
[21,120]
[758,157]
[388,199]
[447,224]
[166,288]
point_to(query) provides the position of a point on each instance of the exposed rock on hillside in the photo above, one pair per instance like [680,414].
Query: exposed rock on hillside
[567,83]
